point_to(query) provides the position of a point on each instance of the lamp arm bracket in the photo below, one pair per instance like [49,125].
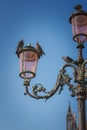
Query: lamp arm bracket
[38,88]
[62,79]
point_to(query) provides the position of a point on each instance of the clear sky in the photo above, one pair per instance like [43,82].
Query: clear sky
[46,21]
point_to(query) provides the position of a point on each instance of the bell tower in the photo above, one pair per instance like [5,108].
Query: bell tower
[71,120]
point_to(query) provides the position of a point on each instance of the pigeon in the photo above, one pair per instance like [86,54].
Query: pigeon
[67,59]
[20,45]
[39,48]
[78,7]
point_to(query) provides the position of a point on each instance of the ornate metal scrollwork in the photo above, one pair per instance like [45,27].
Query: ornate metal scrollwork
[38,88]
[68,79]
[63,78]
[39,92]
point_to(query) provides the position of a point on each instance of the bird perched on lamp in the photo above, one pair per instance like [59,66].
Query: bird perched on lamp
[20,46]
[39,48]
[78,7]
[69,60]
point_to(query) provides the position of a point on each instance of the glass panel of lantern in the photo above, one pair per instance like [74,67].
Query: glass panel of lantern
[28,64]
[79,27]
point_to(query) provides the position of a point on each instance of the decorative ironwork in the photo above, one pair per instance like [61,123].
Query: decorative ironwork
[79,77]
[77,82]
[29,57]
[62,79]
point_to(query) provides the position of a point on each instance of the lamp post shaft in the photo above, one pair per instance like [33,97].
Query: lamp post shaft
[81,109]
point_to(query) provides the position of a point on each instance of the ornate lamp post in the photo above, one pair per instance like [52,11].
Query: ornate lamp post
[29,56]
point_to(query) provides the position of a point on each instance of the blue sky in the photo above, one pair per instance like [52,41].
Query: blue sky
[46,21]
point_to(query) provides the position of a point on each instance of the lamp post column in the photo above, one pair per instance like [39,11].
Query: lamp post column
[81,98]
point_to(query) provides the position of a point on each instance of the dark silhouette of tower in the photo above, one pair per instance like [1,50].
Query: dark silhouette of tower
[71,120]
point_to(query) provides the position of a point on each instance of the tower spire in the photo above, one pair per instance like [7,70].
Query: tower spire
[69,110]
[70,119]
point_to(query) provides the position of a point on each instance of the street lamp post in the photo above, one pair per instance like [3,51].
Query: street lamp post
[29,57]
